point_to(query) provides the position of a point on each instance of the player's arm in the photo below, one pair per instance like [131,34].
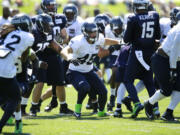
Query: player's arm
[64,36]
[128,32]
[55,46]
[174,52]
[65,52]
[109,41]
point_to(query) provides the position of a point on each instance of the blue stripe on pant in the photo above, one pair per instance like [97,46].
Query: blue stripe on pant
[88,83]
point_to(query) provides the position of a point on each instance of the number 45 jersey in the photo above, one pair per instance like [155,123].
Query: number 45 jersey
[11,48]
[142,30]
[84,53]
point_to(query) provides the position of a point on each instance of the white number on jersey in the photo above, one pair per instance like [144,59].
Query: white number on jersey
[8,47]
[56,30]
[42,46]
[148,30]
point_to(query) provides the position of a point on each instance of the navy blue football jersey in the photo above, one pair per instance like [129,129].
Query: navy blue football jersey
[41,43]
[142,30]
[60,22]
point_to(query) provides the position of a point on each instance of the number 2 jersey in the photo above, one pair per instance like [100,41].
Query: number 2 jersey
[16,43]
[142,31]
[84,53]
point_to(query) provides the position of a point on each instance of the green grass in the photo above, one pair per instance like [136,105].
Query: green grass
[52,124]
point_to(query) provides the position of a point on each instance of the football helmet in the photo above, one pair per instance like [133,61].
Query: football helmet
[22,22]
[116,25]
[44,23]
[177,17]
[49,6]
[71,13]
[140,5]
[173,13]
[90,32]
[102,20]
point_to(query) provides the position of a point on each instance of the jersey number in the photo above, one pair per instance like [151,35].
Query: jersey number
[56,30]
[147,30]
[88,59]
[17,40]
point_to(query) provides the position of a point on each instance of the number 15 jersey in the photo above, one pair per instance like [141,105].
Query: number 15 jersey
[142,30]
[12,47]
[84,53]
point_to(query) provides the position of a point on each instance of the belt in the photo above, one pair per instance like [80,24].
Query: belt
[161,52]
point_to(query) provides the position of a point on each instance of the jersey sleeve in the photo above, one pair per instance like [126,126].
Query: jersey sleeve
[101,40]
[74,45]
[158,29]
[29,40]
[129,30]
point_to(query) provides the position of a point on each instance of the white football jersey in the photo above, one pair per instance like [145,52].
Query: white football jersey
[11,49]
[109,34]
[171,45]
[165,25]
[75,29]
[84,53]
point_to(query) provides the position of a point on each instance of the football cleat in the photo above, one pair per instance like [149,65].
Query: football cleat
[137,108]
[127,102]
[149,110]
[156,112]
[118,113]
[10,121]
[64,110]
[77,115]
[53,104]
[33,110]
[168,116]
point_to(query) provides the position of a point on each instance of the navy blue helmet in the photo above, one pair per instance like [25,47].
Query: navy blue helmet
[71,13]
[116,25]
[49,6]
[177,17]
[173,13]
[22,22]
[44,23]
[102,20]
[90,32]
[140,5]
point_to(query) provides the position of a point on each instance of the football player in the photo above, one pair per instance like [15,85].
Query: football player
[142,30]
[84,48]
[15,39]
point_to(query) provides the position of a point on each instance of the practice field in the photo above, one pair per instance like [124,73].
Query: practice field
[52,124]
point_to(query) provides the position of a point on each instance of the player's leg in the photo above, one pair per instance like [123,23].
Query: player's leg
[9,89]
[160,67]
[132,69]
[80,83]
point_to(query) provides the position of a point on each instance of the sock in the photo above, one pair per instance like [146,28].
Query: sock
[108,73]
[33,103]
[24,101]
[113,91]
[78,108]
[64,102]
[118,107]
[156,97]
[18,115]
[121,93]
[140,86]
[175,99]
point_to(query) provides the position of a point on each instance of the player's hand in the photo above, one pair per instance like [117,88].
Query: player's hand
[173,75]
[103,52]
[43,65]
